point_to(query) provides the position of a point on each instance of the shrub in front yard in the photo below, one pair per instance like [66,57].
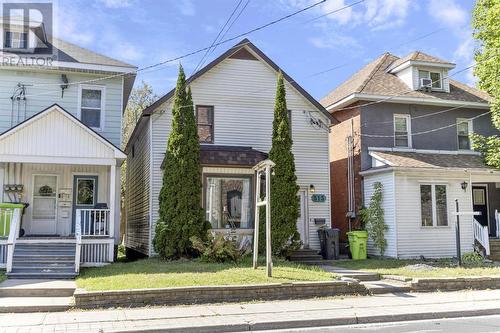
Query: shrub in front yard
[181,216]
[284,188]
[472,259]
[219,248]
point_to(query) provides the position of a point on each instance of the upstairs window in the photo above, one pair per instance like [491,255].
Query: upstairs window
[205,123]
[402,131]
[92,106]
[435,77]
[433,205]
[464,128]
[15,40]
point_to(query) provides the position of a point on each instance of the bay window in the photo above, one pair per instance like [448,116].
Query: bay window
[228,201]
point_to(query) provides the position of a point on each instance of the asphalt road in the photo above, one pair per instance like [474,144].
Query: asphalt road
[486,324]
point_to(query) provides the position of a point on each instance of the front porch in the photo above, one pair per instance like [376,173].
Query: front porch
[66,186]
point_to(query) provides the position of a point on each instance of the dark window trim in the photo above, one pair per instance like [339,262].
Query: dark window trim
[212,119]
[231,175]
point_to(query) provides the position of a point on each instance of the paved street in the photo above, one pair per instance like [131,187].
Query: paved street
[266,315]
[483,324]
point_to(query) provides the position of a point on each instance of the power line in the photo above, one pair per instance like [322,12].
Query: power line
[423,132]
[335,11]
[217,37]
[198,50]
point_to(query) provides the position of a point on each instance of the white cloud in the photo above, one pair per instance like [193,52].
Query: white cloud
[465,53]
[186,7]
[335,42]
[116,3]
[448,12]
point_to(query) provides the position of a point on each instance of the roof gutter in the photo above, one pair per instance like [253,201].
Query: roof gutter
[445,170]
[402,99]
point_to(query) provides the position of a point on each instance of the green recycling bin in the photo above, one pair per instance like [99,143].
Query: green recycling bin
[6,213]
[357,244]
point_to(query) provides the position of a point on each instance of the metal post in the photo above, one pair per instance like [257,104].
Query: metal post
[269,260]
[256,222]
[457,230]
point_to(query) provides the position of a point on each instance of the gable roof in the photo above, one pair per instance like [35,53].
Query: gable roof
[233,52]
[421,57]
[374,79]
[51,115]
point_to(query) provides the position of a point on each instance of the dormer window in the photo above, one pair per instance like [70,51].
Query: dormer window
[15,40]
[435,78]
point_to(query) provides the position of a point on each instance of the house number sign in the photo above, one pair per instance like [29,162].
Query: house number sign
[318,198]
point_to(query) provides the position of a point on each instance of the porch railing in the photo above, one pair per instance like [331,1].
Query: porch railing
[78,249]
[93,222]
[481,234]
[15,224]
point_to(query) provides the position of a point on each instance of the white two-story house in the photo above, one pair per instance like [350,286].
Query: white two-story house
[234,100]
[60,125]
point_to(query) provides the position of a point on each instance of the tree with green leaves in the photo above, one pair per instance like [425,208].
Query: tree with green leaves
[284,188]
[486,25]
[373,219]
[181,215]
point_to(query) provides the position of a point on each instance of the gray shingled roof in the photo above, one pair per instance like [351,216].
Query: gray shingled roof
[68,52]
[438,161]
[374,79]
[420,56]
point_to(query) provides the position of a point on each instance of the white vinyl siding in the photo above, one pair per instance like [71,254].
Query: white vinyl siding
[388,201]
[415,240]
[43,90]
[242,93]
[137,230]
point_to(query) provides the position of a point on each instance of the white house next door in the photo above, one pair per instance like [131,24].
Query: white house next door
[44,205]
[303,220]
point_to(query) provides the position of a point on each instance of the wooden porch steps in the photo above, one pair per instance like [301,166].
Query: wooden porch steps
[494,249]
[43,261]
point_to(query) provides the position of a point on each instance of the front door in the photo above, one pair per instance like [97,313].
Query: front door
[84,194]
[44,205]
[303,221]
[480,203]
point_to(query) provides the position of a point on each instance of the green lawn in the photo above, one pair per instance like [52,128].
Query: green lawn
[440,268]
[2,276]
[155,273]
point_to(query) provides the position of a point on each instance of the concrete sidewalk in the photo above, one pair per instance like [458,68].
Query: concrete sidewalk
[264,315]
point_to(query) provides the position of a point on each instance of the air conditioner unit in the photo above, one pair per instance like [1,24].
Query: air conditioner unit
[426,84]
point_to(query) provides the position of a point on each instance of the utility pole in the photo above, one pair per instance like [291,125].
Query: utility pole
[457,231]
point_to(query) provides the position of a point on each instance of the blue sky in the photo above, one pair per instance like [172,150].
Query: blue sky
[143,32]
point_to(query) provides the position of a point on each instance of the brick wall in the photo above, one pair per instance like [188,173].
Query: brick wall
[338,168]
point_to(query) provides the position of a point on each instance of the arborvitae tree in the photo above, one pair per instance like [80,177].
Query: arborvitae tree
[284,188]
[181,216]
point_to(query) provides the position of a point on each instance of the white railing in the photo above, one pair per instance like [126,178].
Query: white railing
[94,222]
[15,224]
[481,234]
[497,219]
[78,237]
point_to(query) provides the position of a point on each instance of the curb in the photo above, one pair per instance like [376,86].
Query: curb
[323,322]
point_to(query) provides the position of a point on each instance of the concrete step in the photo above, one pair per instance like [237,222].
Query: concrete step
[35,304]
[386,287]
[42,256]
[37,288]
[40,275]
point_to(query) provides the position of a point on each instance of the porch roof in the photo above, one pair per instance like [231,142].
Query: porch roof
[56,136]
[430,160]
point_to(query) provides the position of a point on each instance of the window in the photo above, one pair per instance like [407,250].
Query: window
[433,205]
[464,128]
[435,77]
[15,40]
[92,106]
[228,201]
[402,131]
[205,123]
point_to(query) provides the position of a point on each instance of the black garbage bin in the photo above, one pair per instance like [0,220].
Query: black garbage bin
[332,241]
[329,241]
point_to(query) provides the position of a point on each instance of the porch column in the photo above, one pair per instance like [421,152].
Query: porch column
[112,196]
